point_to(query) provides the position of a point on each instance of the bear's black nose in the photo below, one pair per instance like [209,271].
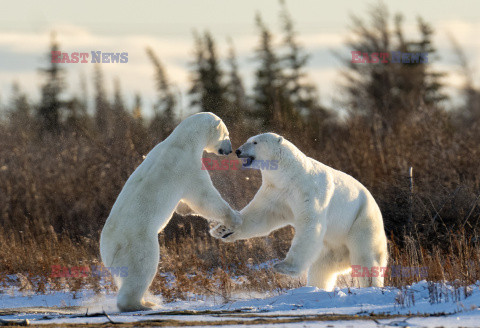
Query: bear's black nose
[238,152]
[220,151]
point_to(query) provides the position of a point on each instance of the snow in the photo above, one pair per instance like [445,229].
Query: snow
[423,304]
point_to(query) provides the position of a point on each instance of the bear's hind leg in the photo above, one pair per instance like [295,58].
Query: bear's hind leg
[324,271]
[142,267]
[371,255]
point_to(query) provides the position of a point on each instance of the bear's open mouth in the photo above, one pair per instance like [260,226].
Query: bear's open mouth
[227,234]
[248,161]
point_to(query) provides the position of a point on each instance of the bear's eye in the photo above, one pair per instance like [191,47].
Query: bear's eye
[254,142]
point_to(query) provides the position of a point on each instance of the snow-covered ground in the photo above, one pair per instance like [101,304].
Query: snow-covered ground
[420,305]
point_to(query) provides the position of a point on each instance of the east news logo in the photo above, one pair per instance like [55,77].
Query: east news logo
[395,57]
[98,57]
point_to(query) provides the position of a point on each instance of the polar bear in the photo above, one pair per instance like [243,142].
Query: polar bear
[170,174]
[337,222]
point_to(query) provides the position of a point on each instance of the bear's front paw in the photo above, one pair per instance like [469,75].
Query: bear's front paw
[286,268]
[222,232]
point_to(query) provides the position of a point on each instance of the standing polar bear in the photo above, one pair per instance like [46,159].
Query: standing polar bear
[337,222]
[169,174]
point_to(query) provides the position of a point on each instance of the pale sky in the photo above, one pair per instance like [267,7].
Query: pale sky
[166,26]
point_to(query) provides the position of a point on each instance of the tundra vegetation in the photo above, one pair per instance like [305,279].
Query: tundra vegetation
[64,159]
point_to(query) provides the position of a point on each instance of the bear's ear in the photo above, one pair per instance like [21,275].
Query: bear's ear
[280,139]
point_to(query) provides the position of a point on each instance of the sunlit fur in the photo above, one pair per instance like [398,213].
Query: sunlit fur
[169,174]
[337,222]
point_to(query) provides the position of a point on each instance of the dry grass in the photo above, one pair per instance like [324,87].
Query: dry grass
[56,193]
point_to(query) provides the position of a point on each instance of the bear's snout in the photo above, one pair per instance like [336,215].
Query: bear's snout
[225,147]
[224,152]
[238,152]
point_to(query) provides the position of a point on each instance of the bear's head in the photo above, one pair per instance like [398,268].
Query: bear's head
[261,151]
[219,139]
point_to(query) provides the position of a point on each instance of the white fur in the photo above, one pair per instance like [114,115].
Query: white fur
[337,222]
[169,174]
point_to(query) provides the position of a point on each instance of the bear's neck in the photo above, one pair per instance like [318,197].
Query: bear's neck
[287,170]
[278,178]
[188,139]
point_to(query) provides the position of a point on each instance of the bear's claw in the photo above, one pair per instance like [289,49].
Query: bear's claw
[221,232]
